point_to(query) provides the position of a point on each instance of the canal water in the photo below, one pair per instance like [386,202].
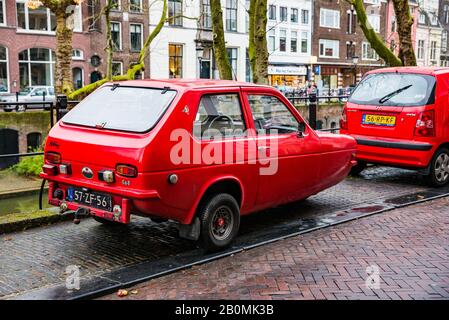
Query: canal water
[22,204]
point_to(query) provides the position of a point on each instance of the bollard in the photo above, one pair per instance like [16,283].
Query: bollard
[312,109]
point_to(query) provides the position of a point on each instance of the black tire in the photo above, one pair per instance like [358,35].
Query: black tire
[358,168]
[439,176]
[106,222]
[220,221]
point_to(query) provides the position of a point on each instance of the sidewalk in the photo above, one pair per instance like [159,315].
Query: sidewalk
[410,247]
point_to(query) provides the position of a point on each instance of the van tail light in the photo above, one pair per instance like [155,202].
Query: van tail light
[52,157]
[126,170]
[425,125]
[344,119]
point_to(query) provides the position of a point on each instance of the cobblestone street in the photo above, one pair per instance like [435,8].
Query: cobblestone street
[410,246]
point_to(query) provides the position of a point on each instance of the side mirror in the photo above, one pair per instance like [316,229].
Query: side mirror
[301,129]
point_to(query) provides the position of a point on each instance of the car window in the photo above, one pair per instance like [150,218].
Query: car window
[271,115]
[39,92]
[219,115]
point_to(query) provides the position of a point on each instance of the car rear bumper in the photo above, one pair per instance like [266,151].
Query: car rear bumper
[395,152]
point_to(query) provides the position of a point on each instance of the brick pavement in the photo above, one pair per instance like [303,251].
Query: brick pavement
[410,246]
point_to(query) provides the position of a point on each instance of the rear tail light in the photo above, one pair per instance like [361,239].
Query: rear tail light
[49,169]
[106,176]
[53,157]
[425,125]
[344,119]
[126,170]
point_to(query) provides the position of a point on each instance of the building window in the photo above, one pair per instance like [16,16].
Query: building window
[393,24]
[372,1]
[294,41]
[422,17]
[283,13]
[232,56]
[135,5]
[136,36]
[446,14]
[329,18]
[351,21]
[420,54]
[392,45]
[248,73]
[116,5]
[271,40]
[283,40]
[294,15]
[39,19]
[304,16]
[175,13]
[374,21]
[2,12]
[329,48]
[433,18]
[247,5]
[116,34]
[206,18]
[231,15]
[433,50]
[368,53]
[77,54]
[117,68]
[444,41]
[36,66]
[77,74]
[4,83]
[304,42]
[272,12]
[350,50]
[175,60]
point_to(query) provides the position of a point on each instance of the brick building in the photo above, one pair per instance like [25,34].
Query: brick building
[27,42]
[343,54]
[443,14]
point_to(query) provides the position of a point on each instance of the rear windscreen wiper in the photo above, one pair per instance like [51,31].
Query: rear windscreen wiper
[392,94]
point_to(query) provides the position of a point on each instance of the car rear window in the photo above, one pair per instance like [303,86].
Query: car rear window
[121,108]
[395,89]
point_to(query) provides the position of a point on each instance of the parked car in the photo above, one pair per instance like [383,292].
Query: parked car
[201,153]
[399,117]
[30,94]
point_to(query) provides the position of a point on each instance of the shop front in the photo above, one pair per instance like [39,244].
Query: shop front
[288,76]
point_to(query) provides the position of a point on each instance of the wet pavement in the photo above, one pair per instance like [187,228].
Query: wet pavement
[33,263]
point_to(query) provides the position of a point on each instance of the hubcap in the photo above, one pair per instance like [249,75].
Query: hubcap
[222,222]
[442,167]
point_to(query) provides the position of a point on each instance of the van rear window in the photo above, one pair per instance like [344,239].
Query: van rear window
[121,108]
[395,89]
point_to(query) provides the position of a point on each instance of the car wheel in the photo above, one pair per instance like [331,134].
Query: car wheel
[439,168]
[358,168]
[220,221]
[106,222]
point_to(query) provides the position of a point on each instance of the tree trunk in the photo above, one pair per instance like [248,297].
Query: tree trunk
[373,38]
[251,42]
[63,69]
[260,72]
[404,26]
[219,44]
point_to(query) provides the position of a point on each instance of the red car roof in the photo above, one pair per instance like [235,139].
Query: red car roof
[421,70]
[183,84]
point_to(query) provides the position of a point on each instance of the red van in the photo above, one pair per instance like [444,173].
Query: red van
[400,117]
[201,153]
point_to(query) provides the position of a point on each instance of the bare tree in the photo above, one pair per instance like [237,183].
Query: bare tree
[257,48]
[404,20]
[219,44]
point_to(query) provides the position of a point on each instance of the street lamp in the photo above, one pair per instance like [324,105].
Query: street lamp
[355,60]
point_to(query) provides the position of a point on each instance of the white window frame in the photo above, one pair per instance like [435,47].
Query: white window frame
[120,34]
[421,17]
[119,8]
[308,16]
[365,46]
[50,62]
[140,10]
[271,37]
[298,15]
[80,19]
[295,37]
[141,36]
[376,26]
[375,2]
[121,65]
[3,12]
[8,89]
[433,50]
[336,49]
[420,49]
[307,38]
[336,18]
[80,57]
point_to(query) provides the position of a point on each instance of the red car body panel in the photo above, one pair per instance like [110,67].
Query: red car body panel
[306,165]
[399,145]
